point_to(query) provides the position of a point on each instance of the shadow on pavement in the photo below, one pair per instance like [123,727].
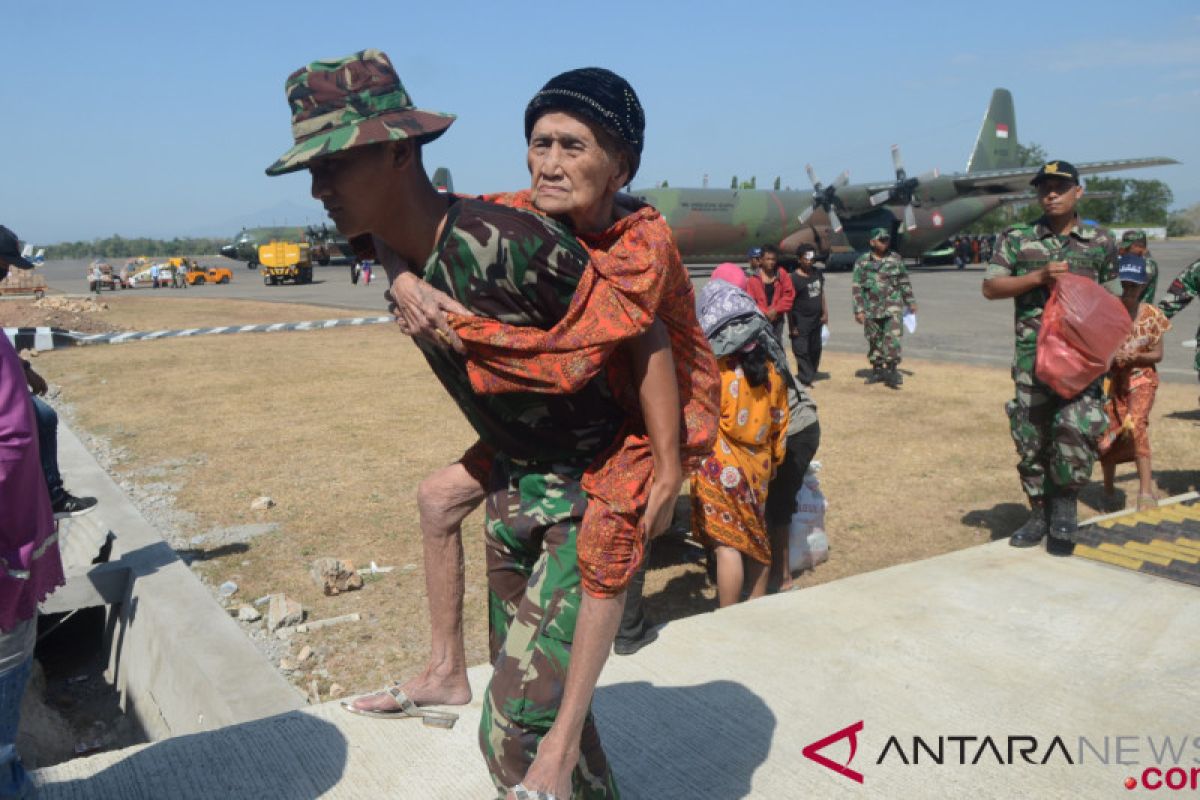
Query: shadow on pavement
[684,741]
[286,757]
[1000,520]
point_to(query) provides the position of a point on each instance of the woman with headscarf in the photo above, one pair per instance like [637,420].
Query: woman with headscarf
[729,491]
[632,305]
[1133,383]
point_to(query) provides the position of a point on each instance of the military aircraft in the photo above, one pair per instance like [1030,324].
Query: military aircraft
[722,224]
[327,243]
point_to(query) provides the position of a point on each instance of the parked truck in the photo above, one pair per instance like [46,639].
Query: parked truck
[284,261]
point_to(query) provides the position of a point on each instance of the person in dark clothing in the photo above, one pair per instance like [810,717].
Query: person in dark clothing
[808,314]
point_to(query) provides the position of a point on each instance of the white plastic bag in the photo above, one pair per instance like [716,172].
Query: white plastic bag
[808,544]
[824,335]
[910,321]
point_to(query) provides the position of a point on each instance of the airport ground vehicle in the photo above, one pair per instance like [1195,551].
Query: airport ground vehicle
[284,261]
[101,277]
[24,281]
[198,275]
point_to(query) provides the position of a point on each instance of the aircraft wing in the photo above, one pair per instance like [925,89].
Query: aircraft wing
[1018,178]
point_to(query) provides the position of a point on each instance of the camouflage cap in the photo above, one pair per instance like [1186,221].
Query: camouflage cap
[1133,236]
[1056,169]
[880,233]
[350,102]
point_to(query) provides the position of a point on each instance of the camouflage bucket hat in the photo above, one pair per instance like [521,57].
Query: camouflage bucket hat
[350,102]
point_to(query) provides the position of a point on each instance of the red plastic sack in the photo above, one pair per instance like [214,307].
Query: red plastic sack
[1082,328]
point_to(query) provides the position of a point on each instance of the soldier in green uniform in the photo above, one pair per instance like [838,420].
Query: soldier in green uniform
[1179,294]
[1134,243]
[360,137]
[881,293]
[1056,438]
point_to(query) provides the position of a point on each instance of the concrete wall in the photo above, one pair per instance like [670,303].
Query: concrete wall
[180,662]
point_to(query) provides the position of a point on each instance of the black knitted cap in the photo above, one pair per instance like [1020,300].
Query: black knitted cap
[599,96]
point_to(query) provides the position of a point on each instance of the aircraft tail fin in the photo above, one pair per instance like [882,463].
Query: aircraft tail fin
[996,146]
[442,181]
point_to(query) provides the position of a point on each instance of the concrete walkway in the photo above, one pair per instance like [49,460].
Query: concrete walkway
[989,641]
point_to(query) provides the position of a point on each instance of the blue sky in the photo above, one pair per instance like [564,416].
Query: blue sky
[159,118]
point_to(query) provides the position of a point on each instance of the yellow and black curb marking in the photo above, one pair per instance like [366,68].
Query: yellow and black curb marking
[1164,541]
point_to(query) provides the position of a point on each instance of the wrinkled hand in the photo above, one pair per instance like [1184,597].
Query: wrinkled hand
[913,309]
[420,310]
[772,315]
[824,319]
[37,384]
[859,318]
[660,506]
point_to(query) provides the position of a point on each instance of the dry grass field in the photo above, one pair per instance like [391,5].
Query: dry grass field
[338,427]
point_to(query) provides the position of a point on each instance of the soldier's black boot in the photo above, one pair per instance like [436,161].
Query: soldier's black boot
[876,375]
[1034,529]
[893,377]
[1064,522]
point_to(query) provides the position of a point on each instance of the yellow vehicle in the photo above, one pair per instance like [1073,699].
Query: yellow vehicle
[197,275]
[282,261]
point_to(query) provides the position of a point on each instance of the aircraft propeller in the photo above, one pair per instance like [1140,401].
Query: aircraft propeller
[825,197]
[904,190]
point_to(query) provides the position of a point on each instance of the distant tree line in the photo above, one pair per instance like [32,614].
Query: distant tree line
[119,247]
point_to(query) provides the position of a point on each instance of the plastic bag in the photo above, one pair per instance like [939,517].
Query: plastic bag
[808,545]
[824,335]
[1082,328]
[910,322]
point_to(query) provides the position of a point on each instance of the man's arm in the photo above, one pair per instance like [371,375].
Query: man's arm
[856,292]
[658,395]
[1182,290]
[824,305]
[906,287]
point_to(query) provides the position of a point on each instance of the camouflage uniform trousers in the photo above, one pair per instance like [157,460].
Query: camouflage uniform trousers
[533,516]
[883,340]
[1056,438]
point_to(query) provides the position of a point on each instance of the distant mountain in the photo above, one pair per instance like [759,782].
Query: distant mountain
[284,213]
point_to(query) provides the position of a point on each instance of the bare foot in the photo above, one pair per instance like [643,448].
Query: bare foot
[550,771]
[430,688]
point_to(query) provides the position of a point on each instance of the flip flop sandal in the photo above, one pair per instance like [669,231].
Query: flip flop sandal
[408,710]
[521,793]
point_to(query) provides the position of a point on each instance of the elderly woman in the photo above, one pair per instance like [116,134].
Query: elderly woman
[729,491]
[632,315]
[1133,383]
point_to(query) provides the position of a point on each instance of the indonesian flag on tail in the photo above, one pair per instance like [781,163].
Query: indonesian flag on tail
[1001,130]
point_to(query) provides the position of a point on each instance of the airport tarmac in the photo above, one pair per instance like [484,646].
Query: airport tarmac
[955,322]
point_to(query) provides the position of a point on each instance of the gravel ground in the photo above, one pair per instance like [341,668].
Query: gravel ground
[152,491]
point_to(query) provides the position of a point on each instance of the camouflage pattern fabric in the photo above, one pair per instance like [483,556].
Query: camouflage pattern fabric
[350,102]
[534,591]
[1057,440]
[883,340]
[523,268]
[881,286]
[520,268]
[1147,295]
[1022,249]
[1181,292]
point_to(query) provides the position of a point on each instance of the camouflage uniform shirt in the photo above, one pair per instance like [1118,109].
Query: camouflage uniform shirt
[881,286]
[1023,249]
[494,260]
[1181,292]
